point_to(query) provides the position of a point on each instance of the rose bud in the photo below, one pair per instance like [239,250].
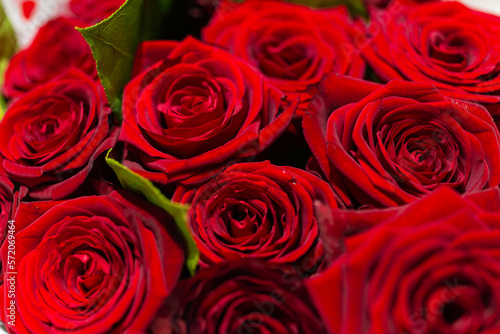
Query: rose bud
[196,110]
[97,264]
[389,145]
[246,296]
[293,45]
[429,267]
[47,57]
[444,43]
[259,210]
[51,136]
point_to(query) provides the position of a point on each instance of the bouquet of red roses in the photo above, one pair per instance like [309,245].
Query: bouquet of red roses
[253,166]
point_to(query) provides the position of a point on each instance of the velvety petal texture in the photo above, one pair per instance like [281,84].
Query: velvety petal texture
[240,297]
[98,264]
[50,137]
[47,57]
[259,210]
[429,267]
[385,3]
[94,11]
[6,197]
[293,45]
[6,207]
[197,109]
[389,145]
[444,43]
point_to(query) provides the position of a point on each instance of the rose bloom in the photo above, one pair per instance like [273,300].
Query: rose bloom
[246,296]
[430,267]
[97,264]
[259,210]
[444,43]
[51,137]
[389,145]
[47,57]
[197,109]
[293,45]
[94,11]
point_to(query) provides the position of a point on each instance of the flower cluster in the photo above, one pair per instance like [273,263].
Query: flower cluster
[287,169]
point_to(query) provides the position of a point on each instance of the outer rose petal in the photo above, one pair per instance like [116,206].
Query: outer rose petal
[47,58]
[7,208]
[392,276]
[92,11]
[150,52]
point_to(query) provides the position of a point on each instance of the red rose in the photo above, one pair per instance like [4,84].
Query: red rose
[399,142]
[47,57]
[293,45]
[444,43]
[197,109]
[259,210]
[430,267]
[51,136]
[240,297]
[94,11]
[98,264]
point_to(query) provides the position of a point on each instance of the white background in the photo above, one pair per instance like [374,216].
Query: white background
[491,6]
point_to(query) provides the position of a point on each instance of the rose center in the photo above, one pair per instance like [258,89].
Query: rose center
[241,222]
[425,152]
[192,99]
[55,117]
[450,50]
[44,129]
[287,59]
[452,313]
[86,270]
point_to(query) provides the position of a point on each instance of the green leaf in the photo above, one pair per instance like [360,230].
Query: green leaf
[113,42]
[3,67]
[138,184]
[3,107]
[7,37]
[8,47]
